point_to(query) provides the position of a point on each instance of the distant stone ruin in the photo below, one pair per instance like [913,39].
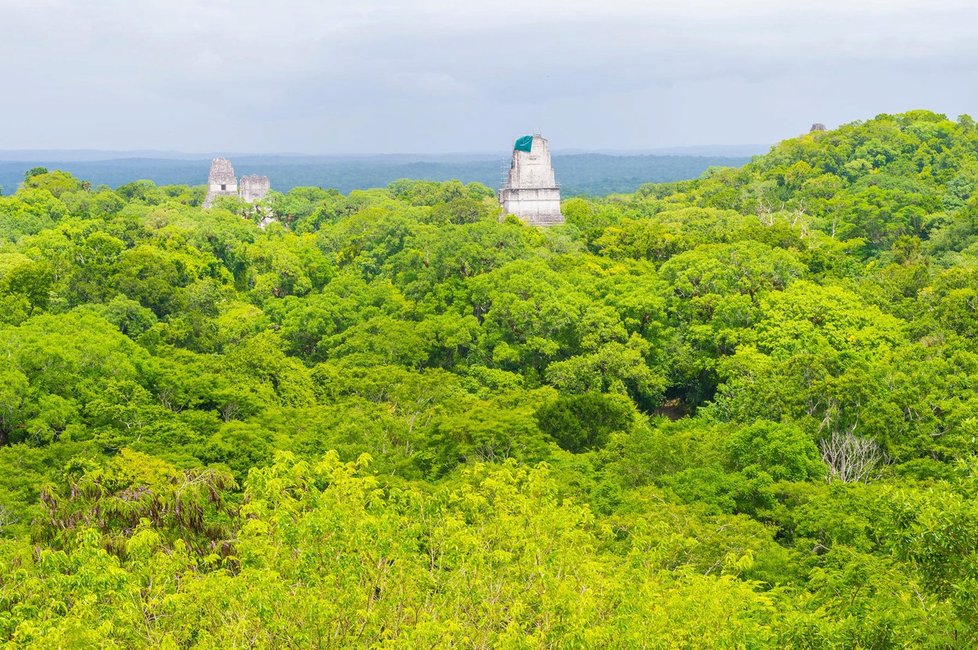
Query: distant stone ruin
[253,188]
[530,191]
[221,181]
[818,126]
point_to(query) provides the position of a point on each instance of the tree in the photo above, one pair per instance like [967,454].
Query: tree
[851,458]
[56,182]
[34,171]
[584,422]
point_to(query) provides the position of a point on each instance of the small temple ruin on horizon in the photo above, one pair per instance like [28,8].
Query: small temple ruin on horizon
[530,191]
[221,181]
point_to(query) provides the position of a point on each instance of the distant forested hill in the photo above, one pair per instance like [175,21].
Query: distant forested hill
[588,174]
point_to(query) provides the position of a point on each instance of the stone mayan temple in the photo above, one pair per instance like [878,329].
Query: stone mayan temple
[253,188]
[222,182]
[530,191]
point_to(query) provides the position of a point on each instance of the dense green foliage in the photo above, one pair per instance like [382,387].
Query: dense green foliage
[738,411]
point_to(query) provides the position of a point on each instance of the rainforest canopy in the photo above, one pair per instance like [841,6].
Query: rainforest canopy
[524,144]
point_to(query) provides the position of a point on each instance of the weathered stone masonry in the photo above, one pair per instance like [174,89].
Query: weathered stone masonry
[221,181]
[531,191]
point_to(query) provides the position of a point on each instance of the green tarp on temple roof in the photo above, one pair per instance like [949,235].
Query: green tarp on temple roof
[524,144]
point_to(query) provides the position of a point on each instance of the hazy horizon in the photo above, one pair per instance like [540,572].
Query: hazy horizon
[434,76]
[80,155]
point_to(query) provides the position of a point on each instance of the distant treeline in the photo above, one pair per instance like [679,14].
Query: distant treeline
[578,174]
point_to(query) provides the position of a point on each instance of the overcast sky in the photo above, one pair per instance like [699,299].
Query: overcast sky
[385,76]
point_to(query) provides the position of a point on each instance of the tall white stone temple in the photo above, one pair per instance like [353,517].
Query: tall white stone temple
[221,181]
[530,191]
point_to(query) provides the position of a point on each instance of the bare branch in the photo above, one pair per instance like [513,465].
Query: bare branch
[852,459]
